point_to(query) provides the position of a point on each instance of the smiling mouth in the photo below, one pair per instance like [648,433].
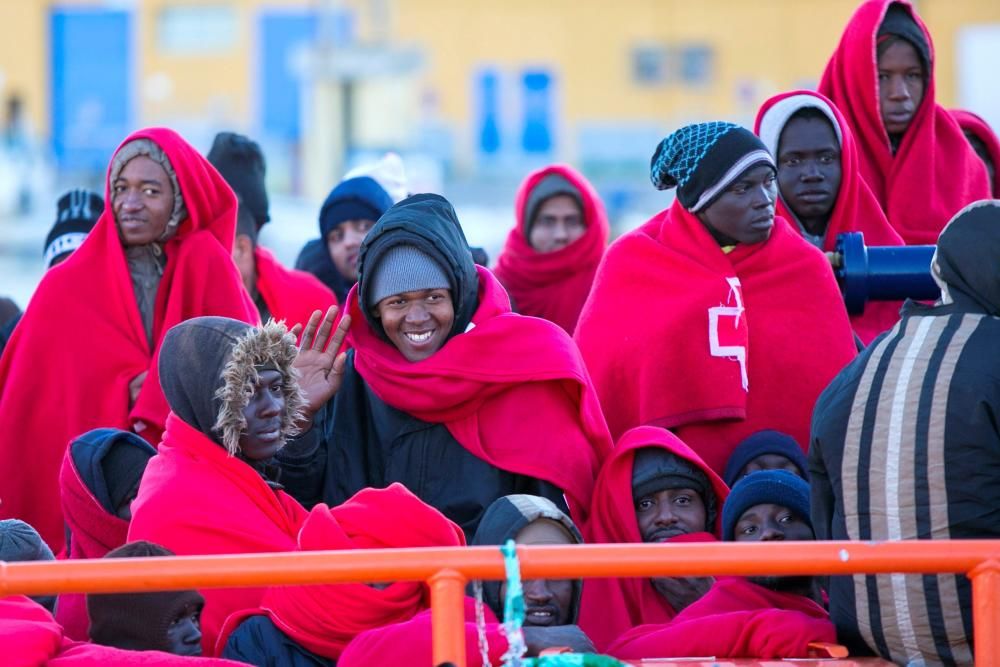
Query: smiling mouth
[540,616]
[419,338]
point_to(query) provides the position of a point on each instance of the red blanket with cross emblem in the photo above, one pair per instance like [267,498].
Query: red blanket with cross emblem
[712,345]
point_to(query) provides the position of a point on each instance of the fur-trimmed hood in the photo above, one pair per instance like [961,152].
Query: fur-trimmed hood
[210,365]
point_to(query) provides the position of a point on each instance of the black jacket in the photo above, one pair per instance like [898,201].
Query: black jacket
[258,641]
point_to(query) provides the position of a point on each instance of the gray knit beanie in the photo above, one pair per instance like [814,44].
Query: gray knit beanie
[405,268]
[151,150]
[20,542]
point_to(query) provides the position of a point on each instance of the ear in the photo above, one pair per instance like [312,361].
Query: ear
[243,245]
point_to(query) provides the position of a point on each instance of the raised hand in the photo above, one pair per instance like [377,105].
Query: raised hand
[320,368]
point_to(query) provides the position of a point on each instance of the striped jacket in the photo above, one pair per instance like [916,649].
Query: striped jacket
[905,445]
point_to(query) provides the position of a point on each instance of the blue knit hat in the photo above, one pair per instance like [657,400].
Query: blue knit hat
[360,198]
[775,487]
[759,444]
[702,159]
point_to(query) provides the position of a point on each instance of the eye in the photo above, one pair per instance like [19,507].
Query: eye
[769,180]
[366,225]
[644,504]
[150,192]
[748,529]
[682,500]
[118,189]
[740,189]
[882,77]
[790,161]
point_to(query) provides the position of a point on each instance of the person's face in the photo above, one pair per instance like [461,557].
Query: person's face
[744,213]
[547,602]
[900,86]
[768,522]
[809,170]
[124,510]
[418,322]
[344,242]
[669,513]
[984,154]
[142,198]
[184,633]
[262,438]
[558,223]
[770,462]
[243,257]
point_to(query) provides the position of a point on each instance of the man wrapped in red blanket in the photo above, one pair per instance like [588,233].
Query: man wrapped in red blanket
[714,319]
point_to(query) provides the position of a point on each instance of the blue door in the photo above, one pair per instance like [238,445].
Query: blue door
[281,35]
[91,67]
[487,96]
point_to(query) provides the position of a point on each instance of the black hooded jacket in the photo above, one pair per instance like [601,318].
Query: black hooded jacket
[503,520]
[911,429]
[358,440]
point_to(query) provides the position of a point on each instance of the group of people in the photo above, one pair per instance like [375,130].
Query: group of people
[173,389]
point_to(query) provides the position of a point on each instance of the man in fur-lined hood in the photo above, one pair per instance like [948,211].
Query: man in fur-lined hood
[234,383]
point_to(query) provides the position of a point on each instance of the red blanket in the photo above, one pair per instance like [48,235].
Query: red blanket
[736,619]
[94,531]
[290,295]
[81,341]
[324,618]
[612,606]
[512,390]
[30,638]
[715,346]
[553,285]
[979,128]
[856,209]
[196,499]
[410,643]
[935,172]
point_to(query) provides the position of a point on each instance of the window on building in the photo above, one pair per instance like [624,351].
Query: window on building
[197,29]
[696,62]
[649,65]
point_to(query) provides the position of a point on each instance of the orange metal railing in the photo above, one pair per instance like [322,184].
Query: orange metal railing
[448,569]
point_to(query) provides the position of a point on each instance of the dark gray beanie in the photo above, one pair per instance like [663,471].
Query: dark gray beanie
[405,268]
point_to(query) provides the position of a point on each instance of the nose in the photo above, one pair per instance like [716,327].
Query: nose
[765,196]
[417,313]
[560,233]
[193,634]
[897,89]
[353,237]
[130,200]
[811,173]
[271,404]
[537,591]
[772,533]
[665,515]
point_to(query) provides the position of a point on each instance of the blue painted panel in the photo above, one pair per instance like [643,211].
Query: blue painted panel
[281,35]
[487,96]
[536,135]
[91,66]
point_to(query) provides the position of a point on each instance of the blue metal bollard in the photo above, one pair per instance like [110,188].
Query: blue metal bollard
[883,273]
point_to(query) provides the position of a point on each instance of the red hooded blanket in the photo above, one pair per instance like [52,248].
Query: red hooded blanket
[736,619]
[410,643]
[856,209]
[553,285]
[512,390]
[81,341]
[197,499]
[30,638]
[612,606]
[324,618]
[979,128]
[290,295]
[716,346]
[935,172]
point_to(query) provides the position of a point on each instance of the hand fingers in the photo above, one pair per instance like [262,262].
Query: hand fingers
[305,343]
[341,333]
[296,330]
[339,363]
[323,335]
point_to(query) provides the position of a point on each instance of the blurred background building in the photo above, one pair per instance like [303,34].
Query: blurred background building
[471,93]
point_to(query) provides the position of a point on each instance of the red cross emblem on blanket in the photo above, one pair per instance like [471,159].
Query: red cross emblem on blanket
[723,329]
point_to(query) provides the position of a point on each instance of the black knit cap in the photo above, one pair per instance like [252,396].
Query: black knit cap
[137,621]
[702,159]
[241,162]
[77,212]
[899,22]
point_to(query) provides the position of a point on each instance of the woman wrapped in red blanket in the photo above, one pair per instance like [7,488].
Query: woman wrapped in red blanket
[913,155]
[821,192]
[714,319]
[652,488]
[88,343]
[551,255]
[756,617]
[234,400]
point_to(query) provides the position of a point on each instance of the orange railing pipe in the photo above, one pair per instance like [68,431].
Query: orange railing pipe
[446,569]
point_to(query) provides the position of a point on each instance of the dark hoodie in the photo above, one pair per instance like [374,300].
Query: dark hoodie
[503,520]
[358,440]
[941,474]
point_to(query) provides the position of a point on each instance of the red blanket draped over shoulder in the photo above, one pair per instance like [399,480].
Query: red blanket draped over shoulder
[935,172]
[735,619]
[856,208]
[197,499]
[554,285]
[512,390]
[290,295]
[714,346]
[612,606]
[979,128]
[68,364]
[30,637]
[324,618]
